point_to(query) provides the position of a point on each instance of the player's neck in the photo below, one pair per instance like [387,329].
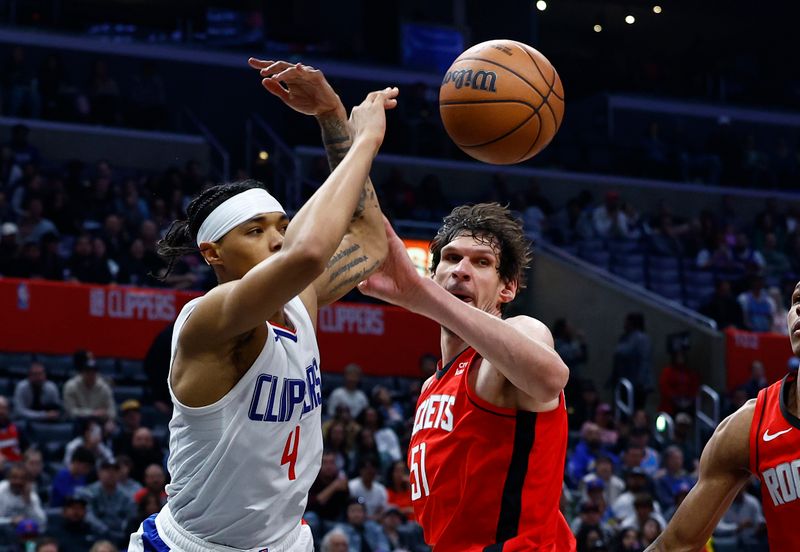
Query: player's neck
[451,345]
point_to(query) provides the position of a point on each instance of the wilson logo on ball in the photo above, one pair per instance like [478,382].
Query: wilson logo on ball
[483,80]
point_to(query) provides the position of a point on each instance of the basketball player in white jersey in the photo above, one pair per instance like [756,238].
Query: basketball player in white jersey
[245,436]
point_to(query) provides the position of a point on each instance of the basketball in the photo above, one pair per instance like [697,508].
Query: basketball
[501,102]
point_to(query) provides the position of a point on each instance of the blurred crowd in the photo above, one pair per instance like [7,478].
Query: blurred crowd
[83,463]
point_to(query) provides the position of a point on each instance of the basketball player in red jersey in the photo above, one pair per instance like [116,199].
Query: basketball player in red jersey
[762,438]
[490,433]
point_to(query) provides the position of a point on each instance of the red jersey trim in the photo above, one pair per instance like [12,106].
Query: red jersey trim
[762,402]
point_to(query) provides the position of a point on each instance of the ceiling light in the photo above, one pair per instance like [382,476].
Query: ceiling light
[630,20]
[598,28]
[541,5]
[656,9]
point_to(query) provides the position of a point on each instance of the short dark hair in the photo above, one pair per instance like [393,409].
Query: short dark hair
[83,455]
[45,541]
[494,225]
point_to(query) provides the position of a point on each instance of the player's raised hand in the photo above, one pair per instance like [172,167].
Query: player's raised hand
[397,280]
[368,119]
[301,87]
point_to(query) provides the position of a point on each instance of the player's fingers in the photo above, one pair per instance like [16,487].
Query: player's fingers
[288,74]
[276,67]
[275,87]
[256,63]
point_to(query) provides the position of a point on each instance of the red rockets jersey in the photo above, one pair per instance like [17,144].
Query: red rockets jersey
[775,459]
[485,478]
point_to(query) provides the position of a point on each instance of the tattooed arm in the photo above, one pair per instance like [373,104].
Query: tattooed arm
[363,248]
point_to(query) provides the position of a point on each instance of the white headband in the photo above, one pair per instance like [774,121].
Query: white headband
[236,210]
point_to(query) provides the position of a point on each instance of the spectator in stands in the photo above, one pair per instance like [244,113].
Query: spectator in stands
[603,477]
[590,539]
[717,255]
[594,493]
[23,153]
[633,358]
[401,536]
[155,481]
[390,409]
[632,457]
[71,530]
[746,256]
[12,441]
[72,478]
[636,482]
[589,447]
[335,439]
[672,477]
[349,394]
[609,220]
[678,384]
[36,398]
[53,264]
[590,516]
[651,529]
[757,381]
[776,263]
[744,521]
[90,436]
[103,546]
[571,224]
[85,266]
[582,409]
[330,492]
[570,344]
[628,541]
[46,544]
[34,225]
[18,499]
[144,452]
[386,441]
[683,438]
[640,438]
[398,488]
[367,488]
[29,264]
[335,540]
[40,479]
[125,483]
[362,533]
[18,86]
[723,307]
[148,505]
[87,394]
[109,508]
[131,420]
[604,419]
[757,306]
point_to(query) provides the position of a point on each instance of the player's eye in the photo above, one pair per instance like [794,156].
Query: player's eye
[255,231]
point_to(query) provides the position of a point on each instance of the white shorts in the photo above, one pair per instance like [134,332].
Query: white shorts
[160,533]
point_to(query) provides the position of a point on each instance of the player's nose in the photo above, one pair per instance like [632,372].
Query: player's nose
[463,270]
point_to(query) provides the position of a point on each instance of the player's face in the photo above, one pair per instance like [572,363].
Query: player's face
[468,270]
[793,320]
[248,244]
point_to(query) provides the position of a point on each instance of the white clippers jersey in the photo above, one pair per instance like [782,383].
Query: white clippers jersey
[241,468]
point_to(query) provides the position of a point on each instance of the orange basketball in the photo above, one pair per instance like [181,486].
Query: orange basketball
[501,102]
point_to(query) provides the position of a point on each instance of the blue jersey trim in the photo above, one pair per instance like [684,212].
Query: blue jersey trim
[150,539]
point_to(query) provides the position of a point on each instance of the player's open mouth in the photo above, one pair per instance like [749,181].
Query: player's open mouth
[464,297]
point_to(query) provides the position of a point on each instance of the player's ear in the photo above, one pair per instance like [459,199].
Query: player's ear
[508,291]
[210,253]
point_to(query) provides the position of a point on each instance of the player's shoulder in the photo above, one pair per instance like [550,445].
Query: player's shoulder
[532,327]
[730,442]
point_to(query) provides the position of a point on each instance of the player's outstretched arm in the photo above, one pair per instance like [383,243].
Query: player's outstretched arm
[363,247]
[233,308]
[723,472]
[520,348]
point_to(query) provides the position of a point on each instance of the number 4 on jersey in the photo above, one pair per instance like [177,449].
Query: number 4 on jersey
[290,452]
[418,473]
